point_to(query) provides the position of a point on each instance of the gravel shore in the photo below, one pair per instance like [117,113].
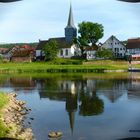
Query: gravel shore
[14,115]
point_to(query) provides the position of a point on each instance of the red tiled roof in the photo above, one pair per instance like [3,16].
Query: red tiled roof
[4,50]
[133,43]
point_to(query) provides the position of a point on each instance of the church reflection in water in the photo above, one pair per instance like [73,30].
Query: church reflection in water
[82,96]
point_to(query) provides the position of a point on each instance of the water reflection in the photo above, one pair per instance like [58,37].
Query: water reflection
[90,105]
[82,96]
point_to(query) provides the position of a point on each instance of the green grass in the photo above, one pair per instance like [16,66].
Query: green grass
[3,102]
[64,66]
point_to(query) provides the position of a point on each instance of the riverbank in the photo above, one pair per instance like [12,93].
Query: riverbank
[85,67]
[12,115]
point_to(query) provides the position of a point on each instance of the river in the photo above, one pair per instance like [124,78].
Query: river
[83,107]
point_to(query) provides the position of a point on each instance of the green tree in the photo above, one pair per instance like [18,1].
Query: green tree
[51,50]
[105,53]
[89,34]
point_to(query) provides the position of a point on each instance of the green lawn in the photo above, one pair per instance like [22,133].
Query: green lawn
[3,102]
[64,67]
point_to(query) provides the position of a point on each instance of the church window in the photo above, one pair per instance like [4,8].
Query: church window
[61,52]
[66,52]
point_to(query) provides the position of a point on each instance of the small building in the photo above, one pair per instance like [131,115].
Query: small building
[116,46]
[90,52]
[133,46]
[23,53]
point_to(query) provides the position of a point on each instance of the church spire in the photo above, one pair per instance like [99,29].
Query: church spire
[70,30]
[70,19]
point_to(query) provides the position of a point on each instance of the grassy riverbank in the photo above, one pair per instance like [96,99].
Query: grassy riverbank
[64,67]
[12,116]
[3,102]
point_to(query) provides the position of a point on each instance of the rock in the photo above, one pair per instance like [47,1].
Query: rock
[55,134]
[31,118]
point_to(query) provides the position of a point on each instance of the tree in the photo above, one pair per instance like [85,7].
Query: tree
[105,53]
[51,50]
[89,34]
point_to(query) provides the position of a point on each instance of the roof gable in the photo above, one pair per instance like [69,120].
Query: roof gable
[112,38]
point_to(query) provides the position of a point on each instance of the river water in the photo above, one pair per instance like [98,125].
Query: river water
[83,107]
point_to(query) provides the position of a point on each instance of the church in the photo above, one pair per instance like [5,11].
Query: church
[67,49]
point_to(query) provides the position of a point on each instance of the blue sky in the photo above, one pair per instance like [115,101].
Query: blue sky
[31,20]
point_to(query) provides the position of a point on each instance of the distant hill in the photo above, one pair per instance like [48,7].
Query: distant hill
[11,45]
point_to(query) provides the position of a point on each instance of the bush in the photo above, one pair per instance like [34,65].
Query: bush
[64,61]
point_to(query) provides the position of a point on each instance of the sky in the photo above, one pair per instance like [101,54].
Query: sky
[31,20]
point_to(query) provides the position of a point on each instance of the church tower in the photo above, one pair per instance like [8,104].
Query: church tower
[70,30]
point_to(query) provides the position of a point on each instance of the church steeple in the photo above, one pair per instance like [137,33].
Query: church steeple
[71,20]
[70,30]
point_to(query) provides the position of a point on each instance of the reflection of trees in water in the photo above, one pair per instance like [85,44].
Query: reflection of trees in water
[90,105]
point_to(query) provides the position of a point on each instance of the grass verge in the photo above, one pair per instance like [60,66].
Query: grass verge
[3,102]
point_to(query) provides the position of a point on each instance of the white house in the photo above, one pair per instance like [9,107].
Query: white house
[116,46]
[133,46]
[90,52]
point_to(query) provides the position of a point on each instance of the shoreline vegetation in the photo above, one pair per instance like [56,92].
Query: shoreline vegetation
[66,66]
[12,115]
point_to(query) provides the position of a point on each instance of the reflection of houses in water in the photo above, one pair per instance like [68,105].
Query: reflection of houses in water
[18,83]
[113,89]
[113,95]
[89,87]
[134,88]
[70,86]
[22,83]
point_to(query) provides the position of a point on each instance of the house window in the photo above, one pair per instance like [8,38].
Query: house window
[120,49]
[61,52]
[66,52]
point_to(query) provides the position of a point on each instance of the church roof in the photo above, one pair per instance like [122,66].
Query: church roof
[61,43]
[70,19]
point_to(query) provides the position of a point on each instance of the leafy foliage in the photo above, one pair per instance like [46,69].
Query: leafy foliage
[89,34]
[105,53]
[51,50]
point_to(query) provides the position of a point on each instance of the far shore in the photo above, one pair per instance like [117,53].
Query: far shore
[67,66]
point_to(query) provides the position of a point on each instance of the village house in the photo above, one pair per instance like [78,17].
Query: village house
[91,52]
[133,46]
[23,53]
[67,49]
[116,46]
